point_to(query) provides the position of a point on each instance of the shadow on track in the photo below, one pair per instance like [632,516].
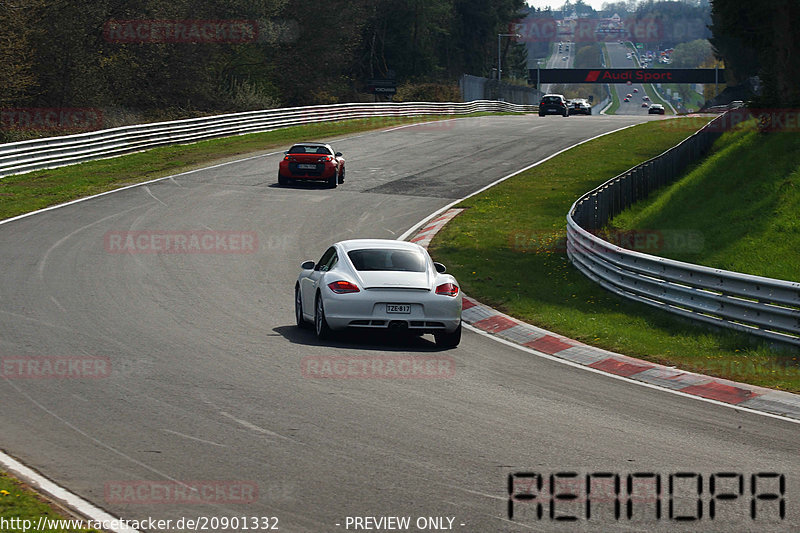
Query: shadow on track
[362,340]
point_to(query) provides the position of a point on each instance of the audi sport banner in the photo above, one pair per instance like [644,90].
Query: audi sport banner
[625,75]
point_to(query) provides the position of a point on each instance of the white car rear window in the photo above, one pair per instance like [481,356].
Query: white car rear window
[390,260]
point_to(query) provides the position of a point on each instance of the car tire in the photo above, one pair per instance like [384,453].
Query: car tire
[566,114]
[298,308]
[282,180]
[448,340]
[341,176]
[333,181]
[321,327]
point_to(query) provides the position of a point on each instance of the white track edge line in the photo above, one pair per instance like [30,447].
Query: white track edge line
[72,500]
[31,476]
[78,200]
[628,379]
[98,195]
[414,228]
[418,225]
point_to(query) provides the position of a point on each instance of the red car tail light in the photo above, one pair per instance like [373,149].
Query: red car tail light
[289,158]
[343,287]
[326,158]
[447,289]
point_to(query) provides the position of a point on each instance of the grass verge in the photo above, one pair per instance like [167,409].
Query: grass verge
[507,250]
[740,205]
[21,509]
[43,188]
[612,109]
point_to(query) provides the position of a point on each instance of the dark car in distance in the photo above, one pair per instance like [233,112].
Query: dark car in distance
[553,104]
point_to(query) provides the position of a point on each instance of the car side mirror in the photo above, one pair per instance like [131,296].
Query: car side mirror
[440,268]
[308,265]
[338,154]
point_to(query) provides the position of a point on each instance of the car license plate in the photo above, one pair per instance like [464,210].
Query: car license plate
[398,308]
[306,166]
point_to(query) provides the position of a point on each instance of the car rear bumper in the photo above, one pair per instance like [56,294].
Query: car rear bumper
[323,172]
[429,312]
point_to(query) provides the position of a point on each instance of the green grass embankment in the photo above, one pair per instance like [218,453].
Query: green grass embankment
[743,202]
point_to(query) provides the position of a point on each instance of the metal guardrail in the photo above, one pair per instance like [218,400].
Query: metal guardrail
[52,152]
[766,307]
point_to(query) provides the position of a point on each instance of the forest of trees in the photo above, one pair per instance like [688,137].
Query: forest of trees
[61,53]
[761,39]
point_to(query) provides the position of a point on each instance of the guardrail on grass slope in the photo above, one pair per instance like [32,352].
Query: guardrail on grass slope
[52,152]
[762,306]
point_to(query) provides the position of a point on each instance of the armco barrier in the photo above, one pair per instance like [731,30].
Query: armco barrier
[52,152]
[761,306]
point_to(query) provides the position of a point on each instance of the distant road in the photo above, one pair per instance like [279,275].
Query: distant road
[617,57]
[557,61]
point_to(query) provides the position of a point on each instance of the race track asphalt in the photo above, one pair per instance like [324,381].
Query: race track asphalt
[205,379]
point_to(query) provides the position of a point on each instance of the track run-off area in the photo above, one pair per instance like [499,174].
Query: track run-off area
[199,377]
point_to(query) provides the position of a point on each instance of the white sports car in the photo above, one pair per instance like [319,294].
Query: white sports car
[379,284]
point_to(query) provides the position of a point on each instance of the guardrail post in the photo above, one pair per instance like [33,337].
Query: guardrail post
[615,197]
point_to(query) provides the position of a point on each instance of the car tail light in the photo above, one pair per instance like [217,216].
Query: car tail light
[447,289]
[343,287]
[289,158]
[326,158]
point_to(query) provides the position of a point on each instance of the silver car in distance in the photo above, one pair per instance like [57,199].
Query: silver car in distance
[379,284]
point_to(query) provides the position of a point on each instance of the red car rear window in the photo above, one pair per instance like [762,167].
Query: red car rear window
[305,149]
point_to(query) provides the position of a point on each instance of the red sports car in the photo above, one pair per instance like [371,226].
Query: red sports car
[312,161]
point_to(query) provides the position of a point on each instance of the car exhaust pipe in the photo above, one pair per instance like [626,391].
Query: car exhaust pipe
[397,325]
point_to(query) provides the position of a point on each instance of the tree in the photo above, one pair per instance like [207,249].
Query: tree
[677,22]
[692,54]
[17,78]
[754,39]
[608,9]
